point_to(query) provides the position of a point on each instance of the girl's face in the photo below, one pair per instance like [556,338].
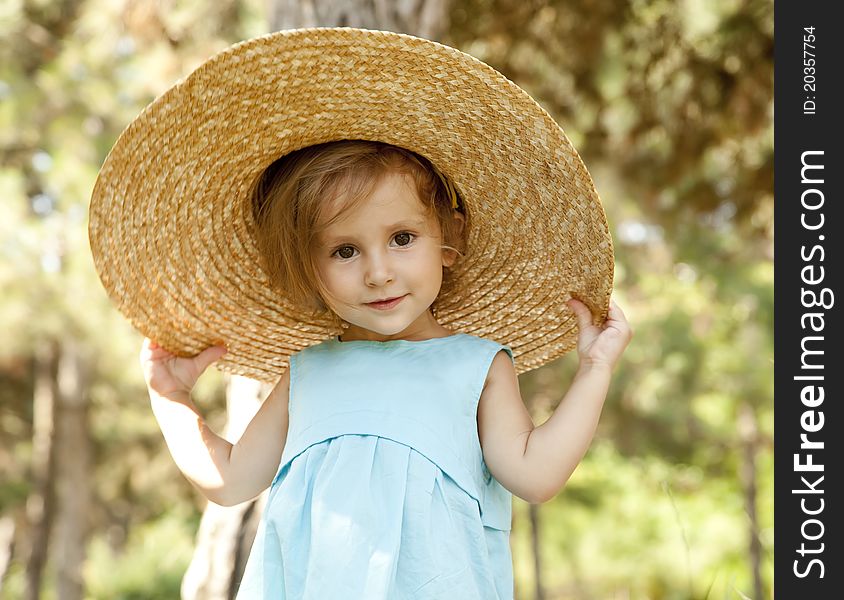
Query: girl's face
[387,247]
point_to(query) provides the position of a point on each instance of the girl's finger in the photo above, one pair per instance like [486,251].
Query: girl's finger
[209,355]
[582,312]
[615,313]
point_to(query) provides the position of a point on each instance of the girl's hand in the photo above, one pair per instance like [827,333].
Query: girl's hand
[601,344]
[167,374]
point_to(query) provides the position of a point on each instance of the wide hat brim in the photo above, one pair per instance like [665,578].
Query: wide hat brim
[171,227]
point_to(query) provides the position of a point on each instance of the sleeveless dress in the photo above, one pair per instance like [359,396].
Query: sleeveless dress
[382,492]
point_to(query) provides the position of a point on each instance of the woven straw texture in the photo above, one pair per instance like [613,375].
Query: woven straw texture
[171,224]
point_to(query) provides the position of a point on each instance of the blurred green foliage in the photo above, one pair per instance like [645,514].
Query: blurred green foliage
[162,547]
[669,103]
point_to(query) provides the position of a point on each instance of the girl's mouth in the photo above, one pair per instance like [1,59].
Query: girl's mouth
[386,304]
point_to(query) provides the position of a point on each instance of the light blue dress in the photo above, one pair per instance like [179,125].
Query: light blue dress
[382,492]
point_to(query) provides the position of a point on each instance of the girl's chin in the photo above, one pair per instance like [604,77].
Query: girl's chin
[368,321]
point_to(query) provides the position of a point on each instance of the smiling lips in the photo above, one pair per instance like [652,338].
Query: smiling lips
[386,304]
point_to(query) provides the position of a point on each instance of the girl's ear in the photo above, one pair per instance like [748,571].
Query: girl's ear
[449,253]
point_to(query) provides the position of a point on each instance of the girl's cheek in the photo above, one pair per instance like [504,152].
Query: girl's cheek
[344,274]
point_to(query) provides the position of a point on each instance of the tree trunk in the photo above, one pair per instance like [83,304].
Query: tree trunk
[226,534]
[749,432]
[225,537]
[7,546]
[422,18]
[539,589]
[41,502]
[73,473]
[514,523]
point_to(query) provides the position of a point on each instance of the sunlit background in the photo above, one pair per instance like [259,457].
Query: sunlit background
[670,105]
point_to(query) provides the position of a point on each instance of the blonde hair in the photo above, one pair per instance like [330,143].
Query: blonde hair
[289,198]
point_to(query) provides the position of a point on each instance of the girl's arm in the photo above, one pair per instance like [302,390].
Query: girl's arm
[225,473]
[535,462]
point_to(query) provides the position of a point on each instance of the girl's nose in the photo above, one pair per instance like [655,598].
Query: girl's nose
[378,271]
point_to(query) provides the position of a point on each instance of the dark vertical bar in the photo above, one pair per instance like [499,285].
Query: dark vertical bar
[809,170]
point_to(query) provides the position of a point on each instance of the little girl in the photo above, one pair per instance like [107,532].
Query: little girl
[391,447]
[380,488]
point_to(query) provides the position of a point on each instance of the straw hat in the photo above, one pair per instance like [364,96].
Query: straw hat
[171,223]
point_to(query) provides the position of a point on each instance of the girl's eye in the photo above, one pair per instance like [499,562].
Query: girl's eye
[345,252]
[403,238]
